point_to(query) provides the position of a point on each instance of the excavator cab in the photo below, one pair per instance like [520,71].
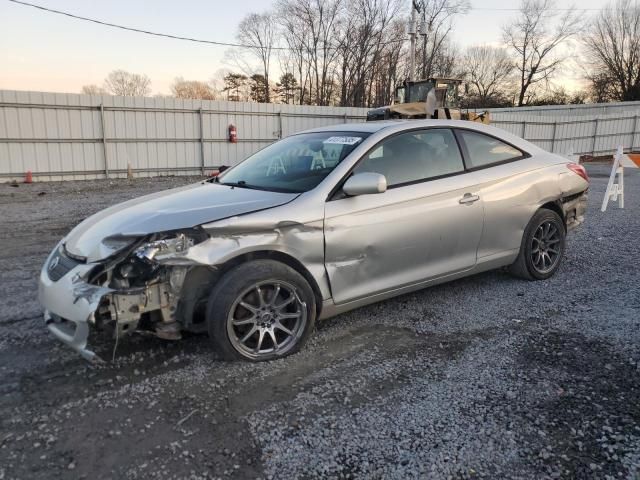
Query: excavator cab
[446,91]
[430,98]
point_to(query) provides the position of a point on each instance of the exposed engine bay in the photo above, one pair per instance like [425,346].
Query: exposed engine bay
[144,281]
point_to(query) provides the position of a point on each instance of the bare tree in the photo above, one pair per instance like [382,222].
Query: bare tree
[489,72]
[258,31]
[558,96]
[361,45]
[445,61]
[342,52]
[217,80]
[192,89]
[386,70]
[93,90]
[602,88]
[309,28]
[120,82]
[613,48]
[351,52]
[439,16]
[295,58]
[534,37]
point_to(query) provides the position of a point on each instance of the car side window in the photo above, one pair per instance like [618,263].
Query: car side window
[484,150]
[414,156]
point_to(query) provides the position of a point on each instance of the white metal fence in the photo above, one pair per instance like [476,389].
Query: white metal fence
[69,136]
[620,108]
[596,129]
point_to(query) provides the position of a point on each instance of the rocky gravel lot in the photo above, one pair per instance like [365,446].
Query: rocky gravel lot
[485,377]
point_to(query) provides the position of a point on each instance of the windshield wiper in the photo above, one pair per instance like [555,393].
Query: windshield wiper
[240,184]
[244,184]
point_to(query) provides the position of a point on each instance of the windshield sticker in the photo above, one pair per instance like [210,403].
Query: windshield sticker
[343,140]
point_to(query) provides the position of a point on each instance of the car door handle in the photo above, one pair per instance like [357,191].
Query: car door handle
[469,198]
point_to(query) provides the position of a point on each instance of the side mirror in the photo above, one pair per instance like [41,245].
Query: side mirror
[365,183]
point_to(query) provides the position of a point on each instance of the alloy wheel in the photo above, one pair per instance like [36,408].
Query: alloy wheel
[545,247]
[267,318]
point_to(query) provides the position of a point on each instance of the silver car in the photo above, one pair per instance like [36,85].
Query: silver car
[316,224]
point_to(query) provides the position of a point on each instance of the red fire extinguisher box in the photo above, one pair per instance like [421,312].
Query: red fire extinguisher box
[233,133]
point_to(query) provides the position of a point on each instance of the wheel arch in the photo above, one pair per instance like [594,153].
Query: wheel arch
[281,257]
[554,206]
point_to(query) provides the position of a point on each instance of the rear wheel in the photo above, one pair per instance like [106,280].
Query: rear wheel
[542,247]
[261,310]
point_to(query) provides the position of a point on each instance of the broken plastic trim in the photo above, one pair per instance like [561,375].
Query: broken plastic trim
[77,339]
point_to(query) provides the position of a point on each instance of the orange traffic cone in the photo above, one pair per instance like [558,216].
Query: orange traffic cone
[28,178]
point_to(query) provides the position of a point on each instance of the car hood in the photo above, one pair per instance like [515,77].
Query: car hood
[173,209]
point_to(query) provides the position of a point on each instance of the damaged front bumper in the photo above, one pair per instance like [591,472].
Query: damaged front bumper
[69,307]
[73,306]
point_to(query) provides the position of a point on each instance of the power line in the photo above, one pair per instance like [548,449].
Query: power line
[499,9]
[157,34]
[138,30]
[229,44]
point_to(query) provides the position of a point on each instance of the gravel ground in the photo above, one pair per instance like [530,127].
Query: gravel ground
[485,377]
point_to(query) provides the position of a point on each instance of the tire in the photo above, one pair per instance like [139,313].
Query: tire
[545,233]
[260,310]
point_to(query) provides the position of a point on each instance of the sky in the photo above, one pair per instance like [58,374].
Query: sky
[48,52]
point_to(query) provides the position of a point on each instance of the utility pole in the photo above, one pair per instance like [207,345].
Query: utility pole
[412,37]
[423,32]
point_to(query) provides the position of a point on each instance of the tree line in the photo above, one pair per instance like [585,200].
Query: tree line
[354,53]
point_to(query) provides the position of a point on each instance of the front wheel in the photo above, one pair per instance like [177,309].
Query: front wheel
[542,248]
[261,310]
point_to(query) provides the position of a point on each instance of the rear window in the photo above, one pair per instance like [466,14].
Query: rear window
[484,150]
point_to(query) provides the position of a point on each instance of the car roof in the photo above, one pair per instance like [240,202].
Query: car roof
[395,126]
[367,127]
[376,126]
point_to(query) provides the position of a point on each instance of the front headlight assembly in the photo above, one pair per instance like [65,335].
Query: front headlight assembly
[160,250]
[145,260]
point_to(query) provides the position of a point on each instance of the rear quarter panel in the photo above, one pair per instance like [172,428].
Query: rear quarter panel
[513,192]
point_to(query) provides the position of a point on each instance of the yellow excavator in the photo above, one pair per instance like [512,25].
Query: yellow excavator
[430,98]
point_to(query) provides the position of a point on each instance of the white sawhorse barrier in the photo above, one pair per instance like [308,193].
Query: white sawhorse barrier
[615,189]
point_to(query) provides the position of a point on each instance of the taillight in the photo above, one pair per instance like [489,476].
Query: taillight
[578,169]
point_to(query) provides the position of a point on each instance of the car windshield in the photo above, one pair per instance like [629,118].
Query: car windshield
[295,164]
